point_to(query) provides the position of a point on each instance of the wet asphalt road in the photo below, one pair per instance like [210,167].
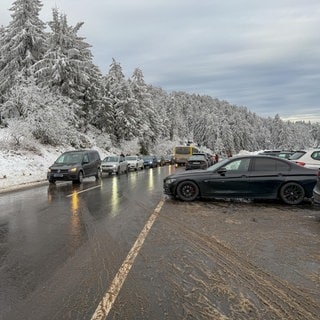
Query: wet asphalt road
[61,247]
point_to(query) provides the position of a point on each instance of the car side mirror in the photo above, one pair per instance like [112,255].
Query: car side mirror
[222,171]
[85,161]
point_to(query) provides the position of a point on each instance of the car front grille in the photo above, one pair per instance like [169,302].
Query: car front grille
[59,170]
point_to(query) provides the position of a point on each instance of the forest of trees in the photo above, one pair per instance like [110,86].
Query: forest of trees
[51,91]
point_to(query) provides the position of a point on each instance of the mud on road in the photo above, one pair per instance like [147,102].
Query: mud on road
[229,260]
[248,260]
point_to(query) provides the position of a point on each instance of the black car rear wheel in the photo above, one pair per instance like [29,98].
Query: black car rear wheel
[292,193]
[187,191]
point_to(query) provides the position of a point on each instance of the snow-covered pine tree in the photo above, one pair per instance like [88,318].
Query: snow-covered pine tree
[149,124]
[120,105]
[22,42]
[67,64]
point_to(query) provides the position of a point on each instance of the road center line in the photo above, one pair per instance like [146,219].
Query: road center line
[110,296]
[85,190]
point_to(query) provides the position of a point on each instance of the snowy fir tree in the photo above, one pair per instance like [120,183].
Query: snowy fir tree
[22,42]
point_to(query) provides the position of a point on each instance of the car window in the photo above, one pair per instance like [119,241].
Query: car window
[110,159]
[198,157]
[297,155]
[315,155]
[266,164]
[282,166]
[92,156]
[85,158]
[238,165]
[69,158]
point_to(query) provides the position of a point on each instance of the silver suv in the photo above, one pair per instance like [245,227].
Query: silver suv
[75,165]
[114,164]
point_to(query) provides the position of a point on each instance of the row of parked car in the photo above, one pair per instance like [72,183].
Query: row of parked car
[78,164]
[289,183]
[306,158]
[120,164]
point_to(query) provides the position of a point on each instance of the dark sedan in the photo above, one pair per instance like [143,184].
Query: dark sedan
[197,162]
[250,177]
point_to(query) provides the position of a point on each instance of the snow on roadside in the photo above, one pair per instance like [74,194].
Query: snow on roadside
[21,167]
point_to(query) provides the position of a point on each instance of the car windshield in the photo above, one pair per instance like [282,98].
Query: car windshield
[297,155]
[111,159]
[218,165]
[131,158]
[198,157]
[147,158]
[69,158]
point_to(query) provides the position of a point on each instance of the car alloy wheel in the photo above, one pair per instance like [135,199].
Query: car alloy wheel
[292,193]
[187,191]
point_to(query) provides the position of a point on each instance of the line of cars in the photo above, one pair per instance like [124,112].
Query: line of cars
[79,164]
[250,176]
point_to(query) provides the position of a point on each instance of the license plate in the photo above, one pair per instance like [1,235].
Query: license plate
[58,175]
[195,162]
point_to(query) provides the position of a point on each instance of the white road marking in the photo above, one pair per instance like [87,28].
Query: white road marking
[85,190]
[110,296]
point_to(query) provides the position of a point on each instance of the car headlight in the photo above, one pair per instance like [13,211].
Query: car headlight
[170,180]
[73,170]
[49,170]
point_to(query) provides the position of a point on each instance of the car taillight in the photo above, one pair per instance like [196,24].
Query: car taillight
[300,163]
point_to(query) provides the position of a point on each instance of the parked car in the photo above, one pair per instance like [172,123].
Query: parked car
[75,165]
[316,190]
[134,163]
[161,161]
[150,161]
[248,176]
[206,155]
[307,158]
[169,159]
[278,153]
[114,164]
[197,162]
[274,153]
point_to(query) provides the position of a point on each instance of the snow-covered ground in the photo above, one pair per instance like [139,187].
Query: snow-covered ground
[21,167]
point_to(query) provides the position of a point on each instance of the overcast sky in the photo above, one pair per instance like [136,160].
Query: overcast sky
[264,55]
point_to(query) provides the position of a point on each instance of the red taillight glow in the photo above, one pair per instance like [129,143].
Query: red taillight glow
[300,163]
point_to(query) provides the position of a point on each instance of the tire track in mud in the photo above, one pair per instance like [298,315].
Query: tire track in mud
[250,292]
